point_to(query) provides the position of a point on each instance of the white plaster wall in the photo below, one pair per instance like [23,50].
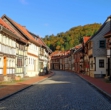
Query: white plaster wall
[33,49]
[8,45]
[30,70]
[98,69]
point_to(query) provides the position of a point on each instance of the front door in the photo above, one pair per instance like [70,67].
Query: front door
[5,66]
[108,66]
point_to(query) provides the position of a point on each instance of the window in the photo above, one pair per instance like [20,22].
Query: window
[9,65]
[22,47]
[17,45]
[102,44]
[0,61]
[0,38]
[19,62]
[91,64]
[12,63]
[101,63]
[33,61]
[14,44]
[29,60]
[4,39]
[9,42]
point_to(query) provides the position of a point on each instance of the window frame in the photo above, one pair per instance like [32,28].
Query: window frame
[102,44]
[91,64]
[101,63]
[19,62]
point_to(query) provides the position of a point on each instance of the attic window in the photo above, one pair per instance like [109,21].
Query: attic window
[102,44]
[36,38]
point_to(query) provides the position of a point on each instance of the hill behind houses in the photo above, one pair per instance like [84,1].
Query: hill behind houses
[72,37]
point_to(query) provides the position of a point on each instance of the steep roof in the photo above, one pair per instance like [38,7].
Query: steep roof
[108,34]
[6,25]
[55,53]
[10,29]
[60,54]
[85,39]
[78,46]
[23,30]
[37,38]
[101,27]
[40,42]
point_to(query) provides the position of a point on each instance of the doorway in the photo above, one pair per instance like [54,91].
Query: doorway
[108,66]
[5,65]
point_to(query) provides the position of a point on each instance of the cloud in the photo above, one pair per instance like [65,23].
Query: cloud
[23,2]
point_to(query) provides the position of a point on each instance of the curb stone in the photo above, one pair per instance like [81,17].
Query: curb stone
[108,96]
[7,96]
[1,99]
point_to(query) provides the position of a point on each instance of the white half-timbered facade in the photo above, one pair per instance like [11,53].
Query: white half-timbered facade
[7,50]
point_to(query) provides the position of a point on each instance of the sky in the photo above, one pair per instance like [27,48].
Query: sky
[47,17]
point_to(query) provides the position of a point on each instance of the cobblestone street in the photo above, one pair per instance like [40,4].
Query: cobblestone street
[62,91]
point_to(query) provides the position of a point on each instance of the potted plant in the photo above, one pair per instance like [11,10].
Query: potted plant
[17,78]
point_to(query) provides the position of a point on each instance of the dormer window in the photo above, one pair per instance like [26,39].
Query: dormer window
[102,44]
[35,38]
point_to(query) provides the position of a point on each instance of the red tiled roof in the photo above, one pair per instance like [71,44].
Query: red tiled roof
[23,30]
[85,39]
[108,34]
[6,26]
[26,32]
[78,46]
[60,53]
[67,52]
[55,53]
[40,41]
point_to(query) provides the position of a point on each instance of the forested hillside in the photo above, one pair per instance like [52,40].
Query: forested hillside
[70,38]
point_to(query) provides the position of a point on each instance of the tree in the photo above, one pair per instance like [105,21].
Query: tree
[58,47]
[70,38]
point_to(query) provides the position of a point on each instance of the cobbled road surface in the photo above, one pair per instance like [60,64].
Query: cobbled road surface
[62,91]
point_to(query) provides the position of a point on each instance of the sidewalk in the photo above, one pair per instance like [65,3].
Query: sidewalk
[99,84]
[9,90]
